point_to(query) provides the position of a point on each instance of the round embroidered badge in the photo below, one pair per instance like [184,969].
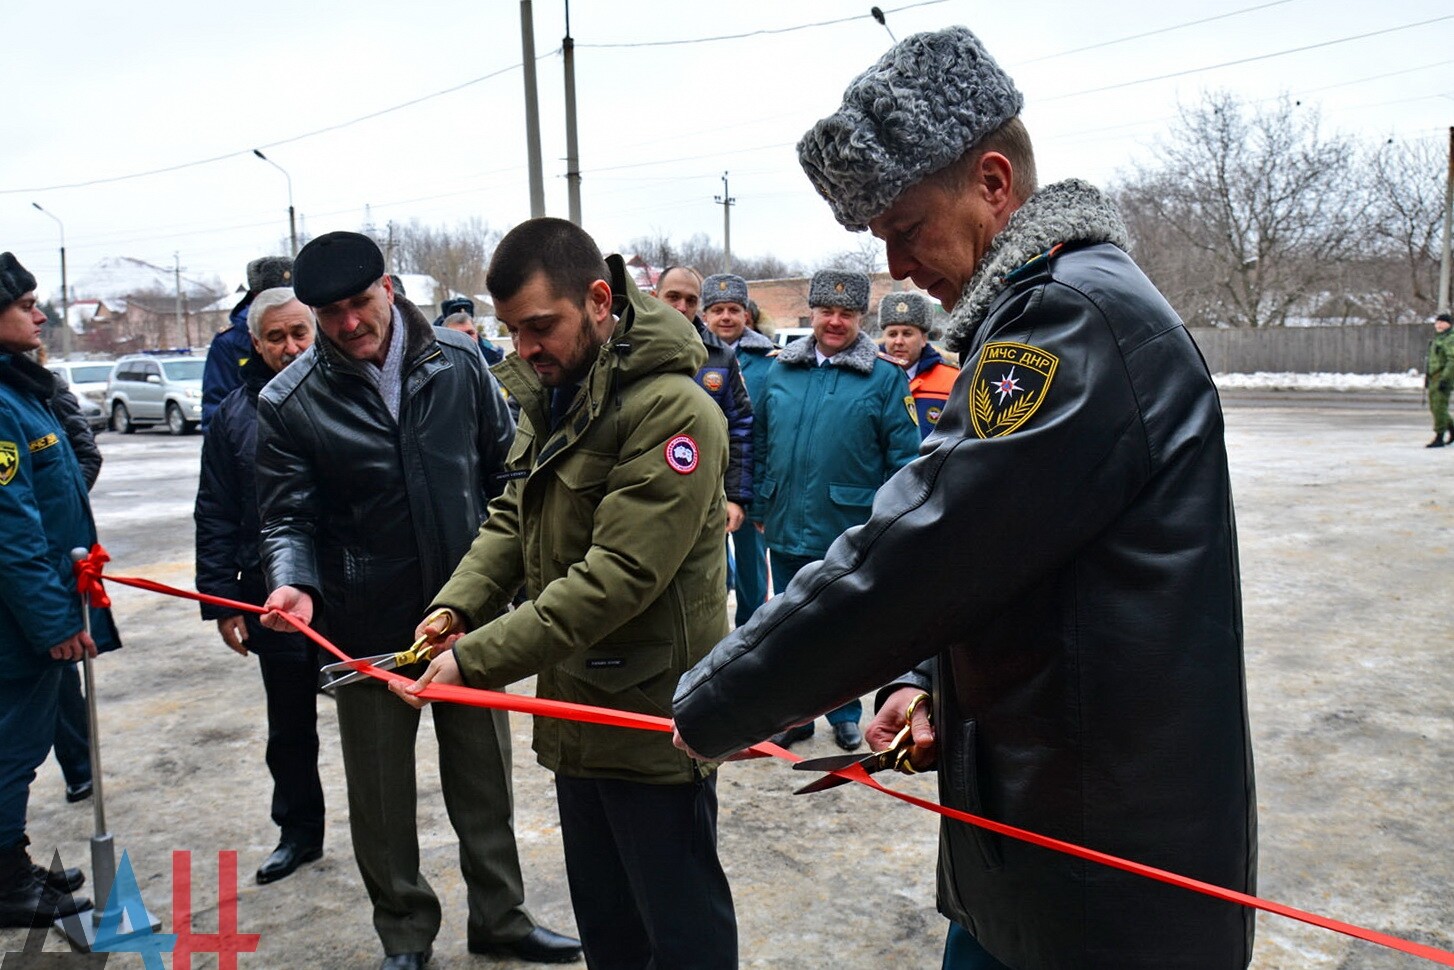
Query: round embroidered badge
[712,381]
[681,454]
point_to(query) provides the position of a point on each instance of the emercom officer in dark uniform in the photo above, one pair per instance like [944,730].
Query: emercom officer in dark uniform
[377,451]
[1080,628]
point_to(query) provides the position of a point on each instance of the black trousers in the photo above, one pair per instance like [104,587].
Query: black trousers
[289,664]
[645,882]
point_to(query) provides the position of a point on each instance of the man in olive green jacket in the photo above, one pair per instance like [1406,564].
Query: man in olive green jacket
[1438,378]
[612,521]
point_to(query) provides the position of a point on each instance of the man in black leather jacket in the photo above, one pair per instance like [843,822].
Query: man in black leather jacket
[377,452]
[1081,637]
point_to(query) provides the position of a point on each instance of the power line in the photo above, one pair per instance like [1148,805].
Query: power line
[757,33]
[1153,33]
[282,141]
[1246,60]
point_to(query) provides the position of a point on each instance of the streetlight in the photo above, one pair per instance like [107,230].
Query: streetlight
[292,224]
[65,300]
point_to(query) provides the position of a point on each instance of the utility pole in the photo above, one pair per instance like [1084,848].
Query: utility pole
[726,201]
[532,112]
[65,296]
[1444,261]
[572,154]
[182,329]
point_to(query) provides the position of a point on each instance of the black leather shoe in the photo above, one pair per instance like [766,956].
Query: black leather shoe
[287,857]
[540,945]
[31,902]
[65,881]
[793,735]
[847,735]
[407,961]
[78,793]
[1438,441]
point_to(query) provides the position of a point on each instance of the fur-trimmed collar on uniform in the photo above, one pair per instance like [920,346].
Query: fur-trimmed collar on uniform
[754,342]
[1066,212]
[859,357]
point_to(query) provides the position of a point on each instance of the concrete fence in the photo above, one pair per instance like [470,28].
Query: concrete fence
[1375,349]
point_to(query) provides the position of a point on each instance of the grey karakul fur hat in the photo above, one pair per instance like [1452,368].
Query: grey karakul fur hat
[15,280]
[837,287]
[269,272]
[910,308]
[724,288]
[926,102]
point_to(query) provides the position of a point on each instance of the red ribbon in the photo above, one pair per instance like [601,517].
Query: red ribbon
[542,707]
[88,577]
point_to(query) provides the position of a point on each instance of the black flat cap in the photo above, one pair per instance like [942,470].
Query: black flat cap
[335,266]
[15,280]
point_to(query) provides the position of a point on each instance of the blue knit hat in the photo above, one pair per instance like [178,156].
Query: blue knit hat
[724,288]
[926,102]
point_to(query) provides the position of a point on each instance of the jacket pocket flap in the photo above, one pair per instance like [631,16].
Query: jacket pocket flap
[614,667]
[851,495]
[584,470]
[767,487]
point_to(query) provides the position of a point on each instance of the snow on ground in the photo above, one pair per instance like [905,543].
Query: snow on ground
[1284,381]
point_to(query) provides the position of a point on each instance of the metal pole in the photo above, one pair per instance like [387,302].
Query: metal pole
[726,201]
[292,222]
[572,154]
[1444,261]
[65,297]
[532,112]
[103,847]
[181,319]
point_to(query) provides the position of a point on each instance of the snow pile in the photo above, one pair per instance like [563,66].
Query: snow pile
[1267,381]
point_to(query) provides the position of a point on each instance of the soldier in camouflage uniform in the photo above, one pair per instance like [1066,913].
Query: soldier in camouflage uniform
[1439,379]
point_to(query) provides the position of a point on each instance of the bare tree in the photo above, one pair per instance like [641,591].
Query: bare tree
[867,257]
[699,252]
[1405,183]
[1265,201]
[455,258]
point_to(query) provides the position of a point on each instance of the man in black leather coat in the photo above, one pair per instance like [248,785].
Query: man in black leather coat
[1081,634]
[378,450]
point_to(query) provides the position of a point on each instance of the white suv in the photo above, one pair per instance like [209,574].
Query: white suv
[145,390]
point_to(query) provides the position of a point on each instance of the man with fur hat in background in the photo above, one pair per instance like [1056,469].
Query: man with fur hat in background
[904,320]
[835,420]
[377,451]
[44,514]
[724,310]
[1080,640]
[232,347]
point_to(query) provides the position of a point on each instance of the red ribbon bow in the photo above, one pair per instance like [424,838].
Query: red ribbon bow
[88,577]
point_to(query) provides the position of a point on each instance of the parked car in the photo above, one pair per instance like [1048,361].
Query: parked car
[146,390]
[786,335]
[86,378]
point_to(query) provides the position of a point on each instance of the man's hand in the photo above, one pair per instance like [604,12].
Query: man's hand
[443,669]
[735,515]
[287,599]
[887,723]
[437,625]
[234,632]
[74,647]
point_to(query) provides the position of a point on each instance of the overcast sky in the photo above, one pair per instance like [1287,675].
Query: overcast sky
[94,91]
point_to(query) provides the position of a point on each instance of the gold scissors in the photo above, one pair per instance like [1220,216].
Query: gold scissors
[347,672]
[895,756]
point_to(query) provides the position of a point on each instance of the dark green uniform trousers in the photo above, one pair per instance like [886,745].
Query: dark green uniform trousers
[378,733]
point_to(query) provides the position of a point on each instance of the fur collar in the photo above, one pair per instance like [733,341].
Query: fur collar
[859,357]
[1066,212]
[754,342]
